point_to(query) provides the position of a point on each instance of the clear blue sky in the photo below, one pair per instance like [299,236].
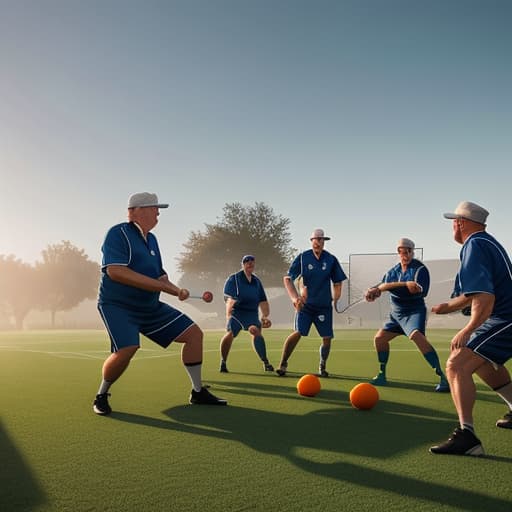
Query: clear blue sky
[369,118]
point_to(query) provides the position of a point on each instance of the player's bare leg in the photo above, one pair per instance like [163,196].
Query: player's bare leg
[288,347]
[225,347]
[113,367]
[192,359]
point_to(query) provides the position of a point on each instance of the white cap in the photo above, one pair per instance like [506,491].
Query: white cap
[470,211]
[405,242]
[319,233]
[145,199]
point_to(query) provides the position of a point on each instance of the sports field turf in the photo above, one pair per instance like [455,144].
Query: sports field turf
[270,449]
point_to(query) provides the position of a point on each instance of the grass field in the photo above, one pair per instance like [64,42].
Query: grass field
[270,449]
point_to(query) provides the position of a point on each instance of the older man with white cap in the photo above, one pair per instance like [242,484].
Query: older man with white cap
[484,344]
[318,269]
[132,278]
[408,283]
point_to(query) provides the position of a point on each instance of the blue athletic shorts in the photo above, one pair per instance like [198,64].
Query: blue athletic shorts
[162,325]
[321,317]
[242,320]
[406,322]
[493,341]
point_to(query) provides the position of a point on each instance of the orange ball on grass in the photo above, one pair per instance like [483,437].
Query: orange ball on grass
[308,385]
[364,396]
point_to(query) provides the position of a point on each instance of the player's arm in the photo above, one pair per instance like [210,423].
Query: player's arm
[292,292]
[455,304]
[127,276]
[265,313]
[337,288]
[412,286]
[230,304]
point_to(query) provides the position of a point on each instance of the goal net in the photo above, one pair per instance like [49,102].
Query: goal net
[364,271]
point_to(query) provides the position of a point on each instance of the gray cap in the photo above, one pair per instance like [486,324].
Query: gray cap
[319,233]
[145,199]
[470,211]
[405,242]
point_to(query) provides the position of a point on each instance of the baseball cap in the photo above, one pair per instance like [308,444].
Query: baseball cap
[145,199]
[319,233]
[470,211]
[248,257]
[405,242]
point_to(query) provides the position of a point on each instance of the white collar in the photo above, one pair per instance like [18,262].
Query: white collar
[141,231]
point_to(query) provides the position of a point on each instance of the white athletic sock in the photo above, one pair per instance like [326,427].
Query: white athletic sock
[194,372]
[104,387]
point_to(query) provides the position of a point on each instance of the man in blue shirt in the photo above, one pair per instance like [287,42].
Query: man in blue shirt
[131,281]
[484,344]
[245,296]
[408,283]
[318,269]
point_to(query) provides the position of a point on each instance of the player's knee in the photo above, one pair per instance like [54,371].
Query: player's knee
[253,330]
[193,336]
[380,340]
[126,353]
[455,366]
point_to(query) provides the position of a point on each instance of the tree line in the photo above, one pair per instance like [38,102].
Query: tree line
[66,276]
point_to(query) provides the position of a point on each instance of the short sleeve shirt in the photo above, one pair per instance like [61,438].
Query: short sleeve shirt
[402,297]
[317,275]
[125,245]
[485,267]
[247,295]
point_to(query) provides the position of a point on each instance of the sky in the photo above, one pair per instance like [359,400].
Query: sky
[367,118]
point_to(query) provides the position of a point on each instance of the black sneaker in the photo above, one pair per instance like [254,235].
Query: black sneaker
[100,405]
[205,397]
[268,367]
[281,371]
[322,372]
[461,442]
[223,367]
[506,421]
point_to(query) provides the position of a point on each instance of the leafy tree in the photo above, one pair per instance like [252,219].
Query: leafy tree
[17,282]
[66,277]
[210,256]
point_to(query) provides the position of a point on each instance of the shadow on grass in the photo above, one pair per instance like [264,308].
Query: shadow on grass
[390,430]
[19,489]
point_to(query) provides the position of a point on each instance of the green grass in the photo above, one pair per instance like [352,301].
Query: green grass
[269,449]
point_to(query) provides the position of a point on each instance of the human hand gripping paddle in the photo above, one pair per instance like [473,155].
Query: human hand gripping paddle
[374,292]
[370,295]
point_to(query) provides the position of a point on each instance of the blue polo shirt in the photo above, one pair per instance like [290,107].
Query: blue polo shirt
[317,275]
[248,295]
[486,268]
[125,245]
[402,297]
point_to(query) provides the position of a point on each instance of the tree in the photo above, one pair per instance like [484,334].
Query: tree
[17,295]
[66,277]
[212,255]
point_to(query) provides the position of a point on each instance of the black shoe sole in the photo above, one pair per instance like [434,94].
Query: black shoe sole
[209,403]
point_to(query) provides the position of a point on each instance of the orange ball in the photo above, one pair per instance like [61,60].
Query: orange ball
[364,396]
[308,385]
